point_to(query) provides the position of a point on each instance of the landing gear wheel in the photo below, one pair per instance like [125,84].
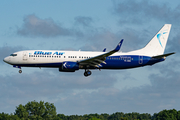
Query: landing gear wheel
[20,71]
[87,73]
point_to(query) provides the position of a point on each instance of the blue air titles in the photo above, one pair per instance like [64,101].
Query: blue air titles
[47,53]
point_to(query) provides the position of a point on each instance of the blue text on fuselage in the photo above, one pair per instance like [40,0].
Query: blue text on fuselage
[47,53]
[58,53]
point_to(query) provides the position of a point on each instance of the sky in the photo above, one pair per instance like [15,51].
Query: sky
[89,25]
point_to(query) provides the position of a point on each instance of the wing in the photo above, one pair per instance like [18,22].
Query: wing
[97,60]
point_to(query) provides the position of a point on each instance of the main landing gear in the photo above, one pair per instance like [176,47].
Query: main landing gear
[87,73]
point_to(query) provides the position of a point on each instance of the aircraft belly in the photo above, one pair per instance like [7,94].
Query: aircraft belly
[120,65]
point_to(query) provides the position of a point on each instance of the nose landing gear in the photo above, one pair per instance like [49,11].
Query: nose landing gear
[20,71]
[87,73]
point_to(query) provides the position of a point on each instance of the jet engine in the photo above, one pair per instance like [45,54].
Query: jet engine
[69,67]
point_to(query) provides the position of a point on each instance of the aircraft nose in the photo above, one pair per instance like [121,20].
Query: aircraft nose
[5,59]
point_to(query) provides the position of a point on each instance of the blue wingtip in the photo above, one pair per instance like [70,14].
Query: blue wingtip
[104,50]
[119,46]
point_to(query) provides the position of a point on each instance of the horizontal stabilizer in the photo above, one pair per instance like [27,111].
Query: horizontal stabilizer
[164,55]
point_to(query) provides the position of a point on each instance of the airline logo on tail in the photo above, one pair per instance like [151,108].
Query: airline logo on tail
[159,37]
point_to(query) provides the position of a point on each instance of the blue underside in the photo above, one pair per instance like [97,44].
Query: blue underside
[113,62]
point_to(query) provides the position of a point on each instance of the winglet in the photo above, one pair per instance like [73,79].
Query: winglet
[118,46]
[104,50]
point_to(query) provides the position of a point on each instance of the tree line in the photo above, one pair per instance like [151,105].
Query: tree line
[47,111]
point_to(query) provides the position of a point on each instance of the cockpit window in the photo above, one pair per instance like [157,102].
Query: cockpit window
[13,55]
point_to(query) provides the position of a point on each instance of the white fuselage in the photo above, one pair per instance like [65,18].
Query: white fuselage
[49,56]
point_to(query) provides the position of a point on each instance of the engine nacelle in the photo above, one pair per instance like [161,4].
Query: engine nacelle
[69,67]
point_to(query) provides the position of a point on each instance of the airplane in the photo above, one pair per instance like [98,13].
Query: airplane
[71,61]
